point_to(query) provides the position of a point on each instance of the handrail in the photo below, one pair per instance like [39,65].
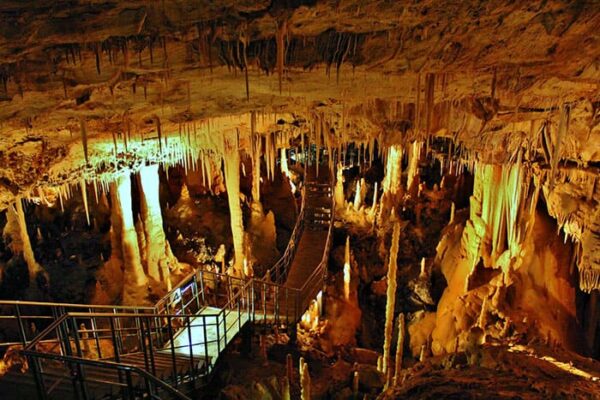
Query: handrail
[73,305]
[109,365]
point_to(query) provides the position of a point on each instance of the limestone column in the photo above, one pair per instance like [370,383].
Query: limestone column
[158,252]
[16,228]
[135,280]
[392,187]
[231,159]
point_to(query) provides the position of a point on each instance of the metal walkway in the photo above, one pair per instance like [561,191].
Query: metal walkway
[109,352]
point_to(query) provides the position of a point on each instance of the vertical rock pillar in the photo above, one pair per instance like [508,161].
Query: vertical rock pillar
[231,158]
[135,281]
[159,257]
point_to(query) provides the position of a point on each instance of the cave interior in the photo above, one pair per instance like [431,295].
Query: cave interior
[299,199]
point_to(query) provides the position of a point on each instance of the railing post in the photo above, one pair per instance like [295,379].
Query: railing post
[118,330]
[202,288]
[22,332]
[218,335]
[151,346]
[36,370]
[252,316]
[189,329]
[276,305]
[141,337]
[129,384]
[96,336]
[206,342]
[224,329]
[173,359]
[149,388]
[196,294]
[114,339]
[79,375]
[113,335]
[264,301]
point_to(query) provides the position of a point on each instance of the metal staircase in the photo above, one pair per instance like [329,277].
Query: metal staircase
[162,352]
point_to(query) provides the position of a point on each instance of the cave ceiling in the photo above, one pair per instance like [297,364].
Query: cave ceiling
[489,74]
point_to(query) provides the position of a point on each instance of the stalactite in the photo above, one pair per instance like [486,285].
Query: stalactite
[159,258]
[256,158]
[563,130]
[231,158]
[391,298]
[280,39]
[399,349]
[85,201]
[429,102]
[84,140]
[159,133]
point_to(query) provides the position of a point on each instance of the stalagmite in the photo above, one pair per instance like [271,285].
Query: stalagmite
[393,170]
[135,280]
[374,204]
[304,380]
[452,211]
[423,272]
[347,270]
[399,349]
[285,390]
[16,219]
[159,258]
[392,188]
[338,194]
[284,163]
[423,353]
[359,195]
[231,160]
[414,156]
[391,298]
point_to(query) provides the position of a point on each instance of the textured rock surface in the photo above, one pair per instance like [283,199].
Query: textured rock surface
[490,74]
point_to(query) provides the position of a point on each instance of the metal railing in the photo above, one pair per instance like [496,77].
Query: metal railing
[24,320]
[278,272]
[191,325]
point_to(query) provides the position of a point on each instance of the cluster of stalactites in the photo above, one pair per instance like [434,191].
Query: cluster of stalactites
[572,198]
[503,208]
